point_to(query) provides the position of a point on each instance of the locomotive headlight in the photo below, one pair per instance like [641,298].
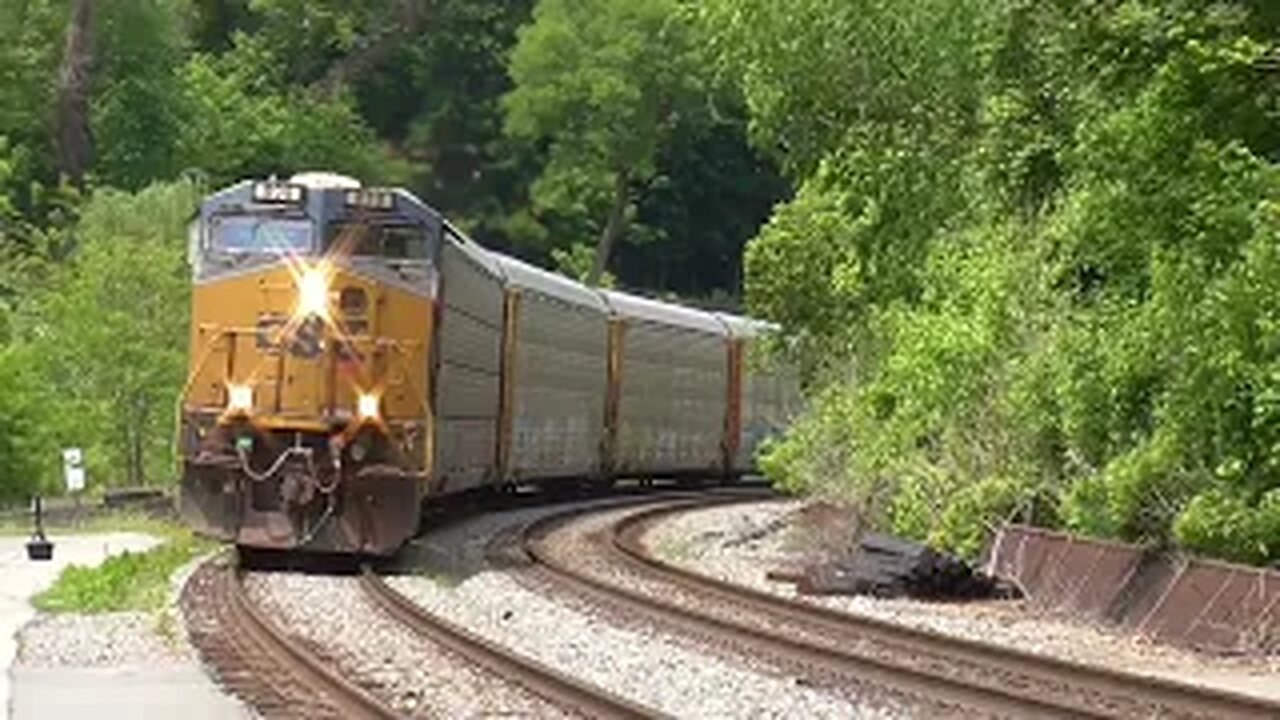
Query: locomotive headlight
[239,398]
[368,406]
[313,292]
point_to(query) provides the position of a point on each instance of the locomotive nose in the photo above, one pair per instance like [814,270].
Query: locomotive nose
[312,355]
[310,394]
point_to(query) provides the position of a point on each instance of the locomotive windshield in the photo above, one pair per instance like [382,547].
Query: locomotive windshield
[261,235]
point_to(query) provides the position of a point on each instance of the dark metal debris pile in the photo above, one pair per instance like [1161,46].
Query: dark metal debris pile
[886,566]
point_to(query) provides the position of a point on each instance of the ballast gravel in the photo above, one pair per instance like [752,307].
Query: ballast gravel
[342,626]
[674,675]
[740,543]
[643,666]
[580,544]
[107,640]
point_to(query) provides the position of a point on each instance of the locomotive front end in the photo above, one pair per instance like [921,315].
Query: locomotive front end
[306,421]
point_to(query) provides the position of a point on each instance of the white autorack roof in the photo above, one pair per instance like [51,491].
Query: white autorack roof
[745,327]
[633,306]
[523,275]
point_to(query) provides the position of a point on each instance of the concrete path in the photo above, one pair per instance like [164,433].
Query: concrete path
[100,693]
[119,693]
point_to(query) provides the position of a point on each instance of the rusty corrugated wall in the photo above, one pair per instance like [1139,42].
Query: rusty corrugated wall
[1201,603]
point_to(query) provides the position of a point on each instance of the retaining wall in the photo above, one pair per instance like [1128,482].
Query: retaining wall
[1172,598]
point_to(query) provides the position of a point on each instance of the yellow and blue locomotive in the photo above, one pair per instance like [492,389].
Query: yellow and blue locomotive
[353,355]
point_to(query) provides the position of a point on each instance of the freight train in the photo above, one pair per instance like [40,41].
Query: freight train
[353,355]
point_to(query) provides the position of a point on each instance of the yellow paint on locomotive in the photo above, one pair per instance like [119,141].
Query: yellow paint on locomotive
[244,331]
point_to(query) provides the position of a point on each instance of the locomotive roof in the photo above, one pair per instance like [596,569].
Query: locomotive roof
[523,275]
[634,306]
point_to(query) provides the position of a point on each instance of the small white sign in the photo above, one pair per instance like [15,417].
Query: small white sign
[73,469]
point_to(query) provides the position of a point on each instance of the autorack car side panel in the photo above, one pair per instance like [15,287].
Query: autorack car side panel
[672,396]
[470,365]
[557,375]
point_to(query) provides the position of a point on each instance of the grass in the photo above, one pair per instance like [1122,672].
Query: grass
[128,581]
[118,521]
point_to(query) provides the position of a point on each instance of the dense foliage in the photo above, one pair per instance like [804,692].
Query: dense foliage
[115,116]
[1030,266]
[606,84]
[1031,269]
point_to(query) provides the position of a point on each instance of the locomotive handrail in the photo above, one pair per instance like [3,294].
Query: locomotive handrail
[182,402]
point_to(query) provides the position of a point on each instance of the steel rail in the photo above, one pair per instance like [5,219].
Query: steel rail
[628,540]
[826,660]
[249,624]
[539,679]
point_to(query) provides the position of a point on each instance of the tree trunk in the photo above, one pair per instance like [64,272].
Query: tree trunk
[612,229]
[74,141]
[405,21]
[126,446]
[138,470]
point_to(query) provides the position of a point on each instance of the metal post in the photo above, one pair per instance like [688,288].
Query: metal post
[39,547]
[39,517]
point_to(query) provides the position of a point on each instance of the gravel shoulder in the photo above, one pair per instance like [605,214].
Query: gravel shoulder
[740,543]
[114,639]
[93,641]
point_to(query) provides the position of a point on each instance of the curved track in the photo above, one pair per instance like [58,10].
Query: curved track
[971,674]
[254,657]
[535,677]
[280,677]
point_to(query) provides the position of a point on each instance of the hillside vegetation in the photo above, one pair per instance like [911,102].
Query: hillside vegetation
[1026,252]
[1032,268]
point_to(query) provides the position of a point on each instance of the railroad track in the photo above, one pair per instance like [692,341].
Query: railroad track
[281,677]
[254,657]
[970,674]
[556,687]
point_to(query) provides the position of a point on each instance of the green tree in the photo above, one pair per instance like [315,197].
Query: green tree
[110,332]
[138,106]
[31,44]
[435,96]
[24,448]
[1028,265]
[242,126]
[605,83]
[711,194]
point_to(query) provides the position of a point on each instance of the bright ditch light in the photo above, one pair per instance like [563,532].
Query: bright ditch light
[368,406]
[239,398]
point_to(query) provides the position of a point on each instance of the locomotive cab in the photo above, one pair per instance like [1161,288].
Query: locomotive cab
[306,420]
